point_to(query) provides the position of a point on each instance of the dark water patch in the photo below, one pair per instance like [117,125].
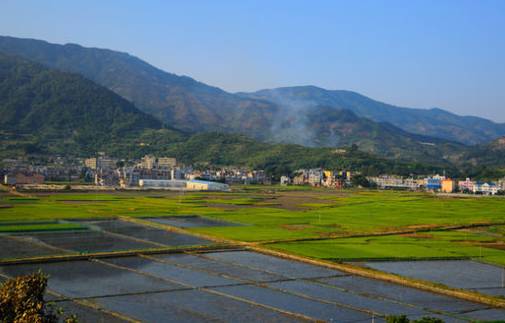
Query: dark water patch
[23,247]
[192,221]
[90,278]
[380,289]
[330,294]
[201,262]
[487,315]
[295,304]
[454,273]
[90,241]
[85,313]
[283,267]
[185,276]
[191,306]
[150,234]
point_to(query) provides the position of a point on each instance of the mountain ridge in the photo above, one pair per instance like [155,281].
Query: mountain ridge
[433,122]
[192,106]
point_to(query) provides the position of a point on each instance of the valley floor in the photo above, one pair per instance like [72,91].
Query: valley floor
[281,253]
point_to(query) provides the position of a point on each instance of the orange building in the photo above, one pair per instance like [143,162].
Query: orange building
[448,186]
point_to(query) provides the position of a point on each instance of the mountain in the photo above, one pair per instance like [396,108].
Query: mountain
[180,101]
[490,155]
[324,126]
[435,122]
[194,106]
[280,115]
[48,112]
[53,108]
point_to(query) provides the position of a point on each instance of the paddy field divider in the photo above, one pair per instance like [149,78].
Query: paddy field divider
[347,268]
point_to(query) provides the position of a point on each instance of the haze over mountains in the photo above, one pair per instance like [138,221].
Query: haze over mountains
[46,112]
[305,115]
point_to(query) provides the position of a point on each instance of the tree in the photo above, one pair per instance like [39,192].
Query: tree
[360,180]
[22,301]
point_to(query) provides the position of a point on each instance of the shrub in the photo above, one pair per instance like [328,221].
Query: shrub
[22,301]
[404,319]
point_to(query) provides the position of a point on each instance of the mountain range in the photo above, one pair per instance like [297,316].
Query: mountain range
[194,106]
[304,115]
[49,112]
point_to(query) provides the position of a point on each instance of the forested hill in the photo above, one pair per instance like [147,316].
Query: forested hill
[48,112]
[193,106]
[54,109]
[180,101]
[429,122]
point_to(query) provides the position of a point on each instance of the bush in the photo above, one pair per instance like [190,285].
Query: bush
[22,301]
[404,319]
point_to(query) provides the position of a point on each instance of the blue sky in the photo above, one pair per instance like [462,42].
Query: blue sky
[448,54]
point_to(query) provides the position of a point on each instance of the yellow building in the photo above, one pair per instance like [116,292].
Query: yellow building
[167,162]
[328,173]
[90,163]
[448,186]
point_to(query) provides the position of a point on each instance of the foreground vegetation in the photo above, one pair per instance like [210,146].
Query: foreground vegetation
[22,300]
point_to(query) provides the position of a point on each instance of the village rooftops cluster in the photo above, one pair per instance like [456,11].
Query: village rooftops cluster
[148,172]
[165,172]
[319,177]
[439,183]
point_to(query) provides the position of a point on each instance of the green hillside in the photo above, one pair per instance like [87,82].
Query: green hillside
[47,112]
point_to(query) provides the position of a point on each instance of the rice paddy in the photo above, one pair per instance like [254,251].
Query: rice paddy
[365,228]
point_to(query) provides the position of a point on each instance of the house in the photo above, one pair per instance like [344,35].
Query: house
[148,162]
[315,177]
[90,163]
[23,178]
[434,183]
[285,180]
[166,162]
[466,185]
[162,183]
[448,186]
[301,177]
[206,186]
[485,188]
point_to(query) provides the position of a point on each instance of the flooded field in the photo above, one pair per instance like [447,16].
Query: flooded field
[192,221]
[465,274]
[148,283]
[97,236]
[232,286]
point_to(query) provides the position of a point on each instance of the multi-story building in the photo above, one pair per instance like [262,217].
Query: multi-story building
[19,178]
[90,163]
[448,186]
[396,182]
[166,162]
[485,188]
[148,162]
[466,185]
[315,177]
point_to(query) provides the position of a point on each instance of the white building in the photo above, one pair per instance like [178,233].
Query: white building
[162,183]
[194,185]
[197,185]
[485,188]
[285,180]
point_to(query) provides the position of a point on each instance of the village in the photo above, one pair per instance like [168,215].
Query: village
[160,172]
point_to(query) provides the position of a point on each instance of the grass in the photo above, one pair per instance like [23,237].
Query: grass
[37,227]
[446,245]
[270,213]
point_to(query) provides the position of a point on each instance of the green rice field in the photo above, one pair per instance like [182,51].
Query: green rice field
[318,223]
